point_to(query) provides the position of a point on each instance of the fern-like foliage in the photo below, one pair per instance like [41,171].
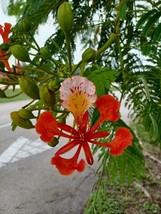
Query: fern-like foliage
[126,167]
[144,99]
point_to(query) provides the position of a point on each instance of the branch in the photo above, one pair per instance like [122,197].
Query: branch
[146,193]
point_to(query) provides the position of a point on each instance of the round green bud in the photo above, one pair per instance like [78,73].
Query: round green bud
[29,87]
[47,96]
[54,84]
[21,122]
[24,25]
[89,55]
[20,53]
[25,113]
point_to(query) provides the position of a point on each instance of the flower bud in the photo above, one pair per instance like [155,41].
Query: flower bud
[46,96]
[54,84]
[25,113]
[20,53]
[54,142]
[89,55]
[45,52]
[24,25]
[21,122]
[65,17]
[2,94]
[29,87]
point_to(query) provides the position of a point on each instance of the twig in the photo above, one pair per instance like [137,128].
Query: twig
[146,193]
[146,154]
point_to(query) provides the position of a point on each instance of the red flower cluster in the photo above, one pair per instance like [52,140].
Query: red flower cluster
[84,133]
[4,32]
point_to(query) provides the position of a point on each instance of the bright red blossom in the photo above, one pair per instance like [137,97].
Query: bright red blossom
[4,32]
[85,133]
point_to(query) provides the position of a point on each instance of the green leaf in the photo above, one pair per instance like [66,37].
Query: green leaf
[150,24]
[102,79]
[123,10]
[157,33]
[144,18]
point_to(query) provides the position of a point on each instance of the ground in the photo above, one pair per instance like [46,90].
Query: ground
[141,197]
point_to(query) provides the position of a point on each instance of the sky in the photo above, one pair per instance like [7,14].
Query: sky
[44,31]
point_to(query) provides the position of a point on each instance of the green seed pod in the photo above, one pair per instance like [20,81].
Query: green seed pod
[24,26]
[25,113]
[46,96]
[65,17]
[54,84]
[21,122]
[20,53]
[2,94]
[45,52]
[89,55]
[54,142]
[29,87]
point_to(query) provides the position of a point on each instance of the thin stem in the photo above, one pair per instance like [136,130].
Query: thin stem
[14,95]
[112,38]
[76,67]
[69,52]
[34,41]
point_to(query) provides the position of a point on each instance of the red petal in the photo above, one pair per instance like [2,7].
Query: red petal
[100,134]
[67,147]
[68,166]
[67,128]
[46,126]
[88,153]
[122,140]
[108,107]
[84,122]
[5,32]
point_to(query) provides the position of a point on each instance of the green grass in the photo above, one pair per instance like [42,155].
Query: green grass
[10,93]
[120,199]
[114,198]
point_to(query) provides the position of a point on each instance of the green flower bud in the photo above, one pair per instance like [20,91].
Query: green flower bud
[46,96]
[65,17]
[54,142]
[24,25]
[2,94]
[20,53]
[54,84]
[45,52]
[89,55]
[29,87]
[25,113]
[21,122]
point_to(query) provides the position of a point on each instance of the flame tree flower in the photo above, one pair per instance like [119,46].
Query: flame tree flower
[78,94]
[4,32]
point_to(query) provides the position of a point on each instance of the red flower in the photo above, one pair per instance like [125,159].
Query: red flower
[68,166]
[4,32]
[85,133]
